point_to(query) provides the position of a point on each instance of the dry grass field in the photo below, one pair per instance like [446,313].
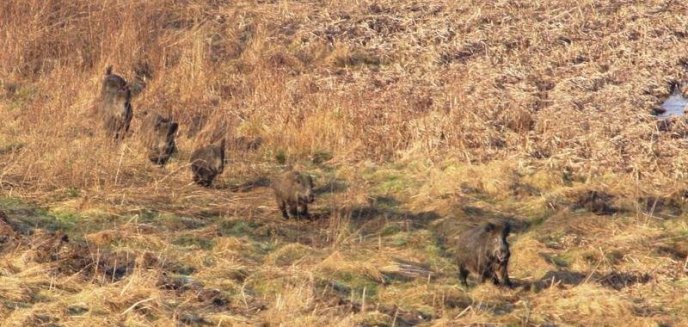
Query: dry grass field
[415,118]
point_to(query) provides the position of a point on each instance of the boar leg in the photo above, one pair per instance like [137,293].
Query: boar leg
[283,208]
[293,211]
[504,274]
[463,275]
[304,211]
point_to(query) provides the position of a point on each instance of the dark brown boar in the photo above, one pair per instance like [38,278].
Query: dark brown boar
[159,137]
[484,251]
[207,162]
[114,105]
[293,191]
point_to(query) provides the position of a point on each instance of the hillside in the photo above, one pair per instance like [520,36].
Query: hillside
[415,118]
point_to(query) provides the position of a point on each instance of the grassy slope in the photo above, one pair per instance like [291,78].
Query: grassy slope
[428,116]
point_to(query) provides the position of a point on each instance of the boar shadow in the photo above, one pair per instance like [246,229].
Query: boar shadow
[251,185]
[387,208]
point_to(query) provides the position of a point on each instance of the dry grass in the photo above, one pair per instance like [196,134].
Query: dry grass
[414,116]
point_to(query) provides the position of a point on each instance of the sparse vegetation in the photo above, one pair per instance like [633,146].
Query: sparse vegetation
[417,118]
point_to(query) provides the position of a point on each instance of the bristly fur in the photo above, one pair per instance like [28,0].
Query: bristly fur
[293,192]
[159,136]
[484,251]
[114,105]
[208,162]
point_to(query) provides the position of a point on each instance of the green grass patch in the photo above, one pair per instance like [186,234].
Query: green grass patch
[31,217]
[238,228]
[289,254]
[356,283]
[189,241]
[390,229]
[562,261]
[399,240]
[67,220]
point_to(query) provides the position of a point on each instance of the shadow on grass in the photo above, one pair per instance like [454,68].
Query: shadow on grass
[662,207]
[566,278]
[25,218]
[387,208]
[333,186]
[250,185]
[597,202]
[301,231]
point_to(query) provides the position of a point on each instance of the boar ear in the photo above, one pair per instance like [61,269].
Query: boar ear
[108,70]
[507,229]
[173,128]
[65,238]
[489,227]
[675,87]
